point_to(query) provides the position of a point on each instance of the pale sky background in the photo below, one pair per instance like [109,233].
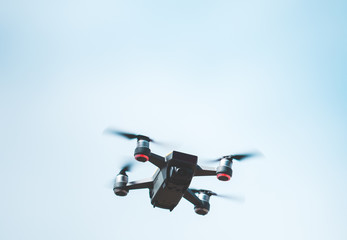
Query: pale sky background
[210,77]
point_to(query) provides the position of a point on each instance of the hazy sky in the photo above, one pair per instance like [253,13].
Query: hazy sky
[209,77]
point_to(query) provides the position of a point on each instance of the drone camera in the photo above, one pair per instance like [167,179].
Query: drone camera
[224,171]
[142,151]
[120,183]
[204,207]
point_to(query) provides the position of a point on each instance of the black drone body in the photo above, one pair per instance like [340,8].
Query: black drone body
[173,176]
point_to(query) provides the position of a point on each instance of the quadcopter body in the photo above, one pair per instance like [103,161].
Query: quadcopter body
[173,176]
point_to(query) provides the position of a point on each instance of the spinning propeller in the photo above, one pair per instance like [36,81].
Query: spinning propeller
[210,193]
[130,135]
[126,168]
[238,157]
[142,151]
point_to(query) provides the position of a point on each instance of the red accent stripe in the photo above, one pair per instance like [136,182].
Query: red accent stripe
[141,155]
[223,175]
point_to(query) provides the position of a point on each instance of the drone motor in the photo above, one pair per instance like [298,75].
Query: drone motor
[142,151]
[204,207]
[120,183]
[224,171]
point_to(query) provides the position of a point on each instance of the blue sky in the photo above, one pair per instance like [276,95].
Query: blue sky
[210,77]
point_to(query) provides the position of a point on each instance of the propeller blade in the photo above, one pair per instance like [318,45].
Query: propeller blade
[231,197]
[214,160]
[126,168]
[130,135]
[210,193]
[202,190]
[194,190]
[238,157]
[122,134]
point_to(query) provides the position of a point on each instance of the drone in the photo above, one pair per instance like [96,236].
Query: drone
[173,175]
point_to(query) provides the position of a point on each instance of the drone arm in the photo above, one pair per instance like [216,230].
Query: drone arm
[144,183]
[191,197]
[157,160]
[204,171]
